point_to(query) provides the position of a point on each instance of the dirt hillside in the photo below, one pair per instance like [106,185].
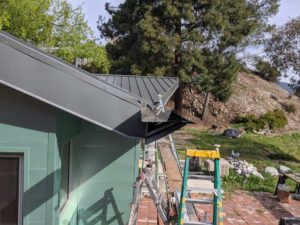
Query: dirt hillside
[252,95]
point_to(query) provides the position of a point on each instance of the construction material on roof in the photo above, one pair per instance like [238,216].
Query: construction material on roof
[110,105]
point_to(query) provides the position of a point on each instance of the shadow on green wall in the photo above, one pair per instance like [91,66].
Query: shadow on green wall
[100,209]
[33,197]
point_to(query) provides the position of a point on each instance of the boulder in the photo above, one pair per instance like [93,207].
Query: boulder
[232,133]
[284,169]
[272,170]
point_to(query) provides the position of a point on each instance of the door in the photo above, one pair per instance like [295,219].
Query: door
[10,187]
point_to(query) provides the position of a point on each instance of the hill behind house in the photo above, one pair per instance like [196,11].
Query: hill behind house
[251,95]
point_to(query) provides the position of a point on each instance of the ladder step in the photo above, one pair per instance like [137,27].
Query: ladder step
[196,173]
[200,177]
[199,201]
[197,223]
[202,190]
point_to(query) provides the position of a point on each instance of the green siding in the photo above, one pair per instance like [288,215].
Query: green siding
[67,126]
[33,145]
[106,170]
[103,168]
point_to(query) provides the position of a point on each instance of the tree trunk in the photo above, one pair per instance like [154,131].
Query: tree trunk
[205,106]
[177,58]
[178,99]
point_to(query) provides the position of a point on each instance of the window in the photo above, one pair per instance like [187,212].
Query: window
[65,173]
[10,190]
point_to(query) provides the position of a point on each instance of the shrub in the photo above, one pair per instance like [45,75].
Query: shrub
[245,119]
[290,108]
[273,119]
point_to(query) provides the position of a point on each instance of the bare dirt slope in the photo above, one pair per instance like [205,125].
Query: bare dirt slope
[252,95]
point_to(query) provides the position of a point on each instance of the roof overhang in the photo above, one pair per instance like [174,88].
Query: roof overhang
[159,130]
[40,75]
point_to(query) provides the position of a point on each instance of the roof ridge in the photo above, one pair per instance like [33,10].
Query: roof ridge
[128,75]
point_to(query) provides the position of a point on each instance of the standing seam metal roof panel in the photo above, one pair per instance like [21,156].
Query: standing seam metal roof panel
[144,87]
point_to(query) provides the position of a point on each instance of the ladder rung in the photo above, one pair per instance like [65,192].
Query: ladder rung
[211,154]
[196,173]
[197,223]
[199,201]
[201,177]
[202,190]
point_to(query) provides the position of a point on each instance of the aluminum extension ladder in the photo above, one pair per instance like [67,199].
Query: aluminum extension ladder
[161,205]
[185,196]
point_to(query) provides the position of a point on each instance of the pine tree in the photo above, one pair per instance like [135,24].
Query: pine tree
[172,37]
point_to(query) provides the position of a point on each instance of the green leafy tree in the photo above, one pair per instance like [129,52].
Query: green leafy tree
[73,38]
[283,48]
[167,37]
[55,26]
[27,19]
[266,70]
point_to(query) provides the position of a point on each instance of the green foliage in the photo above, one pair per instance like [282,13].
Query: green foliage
[251,122]
[266,71]
[27,19]
[221,71]
[252,183]
[273,119]
[289,107]
[55,26]
[283,156]
[169,37]
[260,150]
[72,38]
[283,47]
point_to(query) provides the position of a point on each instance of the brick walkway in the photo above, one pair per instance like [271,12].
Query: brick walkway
[147,213]
[241,208]
[258,208]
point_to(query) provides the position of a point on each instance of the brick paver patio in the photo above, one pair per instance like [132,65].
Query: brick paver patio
[241,208]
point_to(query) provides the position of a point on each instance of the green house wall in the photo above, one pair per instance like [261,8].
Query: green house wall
[27,128]
[103,165]
[104,168]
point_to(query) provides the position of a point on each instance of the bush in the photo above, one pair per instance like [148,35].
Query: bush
[273,119]
[251,122]
[290,108]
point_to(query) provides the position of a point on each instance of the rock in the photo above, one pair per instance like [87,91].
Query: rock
[272,170]
[243,168]
[273,97]
[232,133]
[215,113]
[284,169]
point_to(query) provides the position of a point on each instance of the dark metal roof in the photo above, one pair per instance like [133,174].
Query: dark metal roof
[111,105]
[144,88]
